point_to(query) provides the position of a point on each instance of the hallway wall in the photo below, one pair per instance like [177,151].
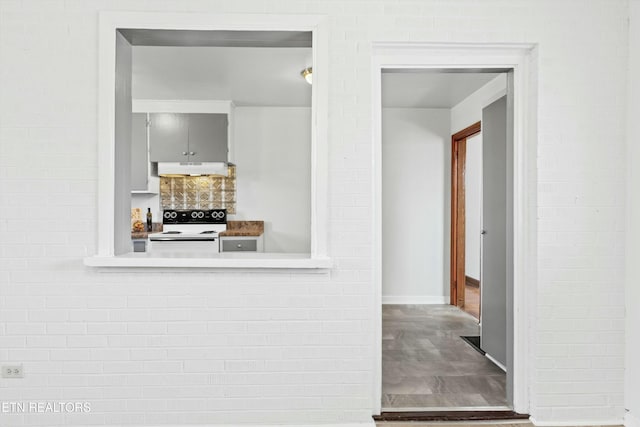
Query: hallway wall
[473,206]
[469,110]
[464,114]
[415,167]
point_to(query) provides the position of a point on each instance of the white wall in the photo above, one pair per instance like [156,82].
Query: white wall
[632,289]
[473,206]
[463,115]
[469,111]
[194,347]
[416,155]
[248,76]
[122,202]
[273,157]
[144,201]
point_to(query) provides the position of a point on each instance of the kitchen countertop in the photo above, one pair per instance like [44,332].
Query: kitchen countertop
[244,228]
[234,228]
[157,227]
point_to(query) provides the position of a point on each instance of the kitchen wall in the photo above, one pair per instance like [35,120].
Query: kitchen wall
[144,201]
[273,156]
[473,206]
[271,140]
[190,347]
[416,147]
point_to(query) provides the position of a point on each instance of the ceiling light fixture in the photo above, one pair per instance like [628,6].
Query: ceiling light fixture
[307,73]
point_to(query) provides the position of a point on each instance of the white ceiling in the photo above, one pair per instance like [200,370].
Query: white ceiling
[147,37]
[245,75]
[429,89]
[268,76]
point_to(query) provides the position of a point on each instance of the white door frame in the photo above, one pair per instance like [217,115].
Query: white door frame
[522,58]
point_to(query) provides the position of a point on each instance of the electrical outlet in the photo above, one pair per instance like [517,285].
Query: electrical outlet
[12,371]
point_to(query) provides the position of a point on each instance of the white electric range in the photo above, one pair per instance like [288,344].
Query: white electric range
[189,230]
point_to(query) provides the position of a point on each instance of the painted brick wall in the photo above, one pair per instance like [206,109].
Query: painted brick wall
[632,290]
[193,348]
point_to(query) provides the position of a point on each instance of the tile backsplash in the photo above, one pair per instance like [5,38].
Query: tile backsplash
[199,192]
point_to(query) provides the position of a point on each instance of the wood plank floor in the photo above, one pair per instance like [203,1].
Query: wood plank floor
[425,363]
[472,301]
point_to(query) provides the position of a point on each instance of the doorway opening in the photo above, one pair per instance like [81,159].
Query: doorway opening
[432,352]
[518,62]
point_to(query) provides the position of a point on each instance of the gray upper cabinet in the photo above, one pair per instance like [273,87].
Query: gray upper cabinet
[188,137]
[208,137]
[168,137]
[139,152]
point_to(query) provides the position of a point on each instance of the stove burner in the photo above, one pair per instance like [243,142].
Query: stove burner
[172,232]
[208,232]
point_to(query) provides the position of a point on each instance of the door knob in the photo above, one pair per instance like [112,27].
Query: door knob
[192,153]
[184,153]
[483,232]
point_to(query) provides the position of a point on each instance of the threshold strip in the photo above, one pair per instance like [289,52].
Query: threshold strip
[450,416]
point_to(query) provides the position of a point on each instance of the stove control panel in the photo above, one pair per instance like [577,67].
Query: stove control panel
[194,216]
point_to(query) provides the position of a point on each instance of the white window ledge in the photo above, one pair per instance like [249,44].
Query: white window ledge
[229,260]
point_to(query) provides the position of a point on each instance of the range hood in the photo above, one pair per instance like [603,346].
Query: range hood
[192,168]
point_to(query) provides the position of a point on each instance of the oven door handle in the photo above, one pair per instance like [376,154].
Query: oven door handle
[171,239]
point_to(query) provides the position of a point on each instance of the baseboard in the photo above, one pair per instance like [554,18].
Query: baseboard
[371,423]
[495,362]
[581,423]
[414,299]
[470,281]
[631,420]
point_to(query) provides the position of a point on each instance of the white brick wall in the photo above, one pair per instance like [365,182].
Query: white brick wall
[632,290]
[203,348]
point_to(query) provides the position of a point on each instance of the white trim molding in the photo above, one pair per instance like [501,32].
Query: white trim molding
[415,299]
[361,424]
[578,423]
[267,261]
[111,21]
[522,59]
[495,362]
